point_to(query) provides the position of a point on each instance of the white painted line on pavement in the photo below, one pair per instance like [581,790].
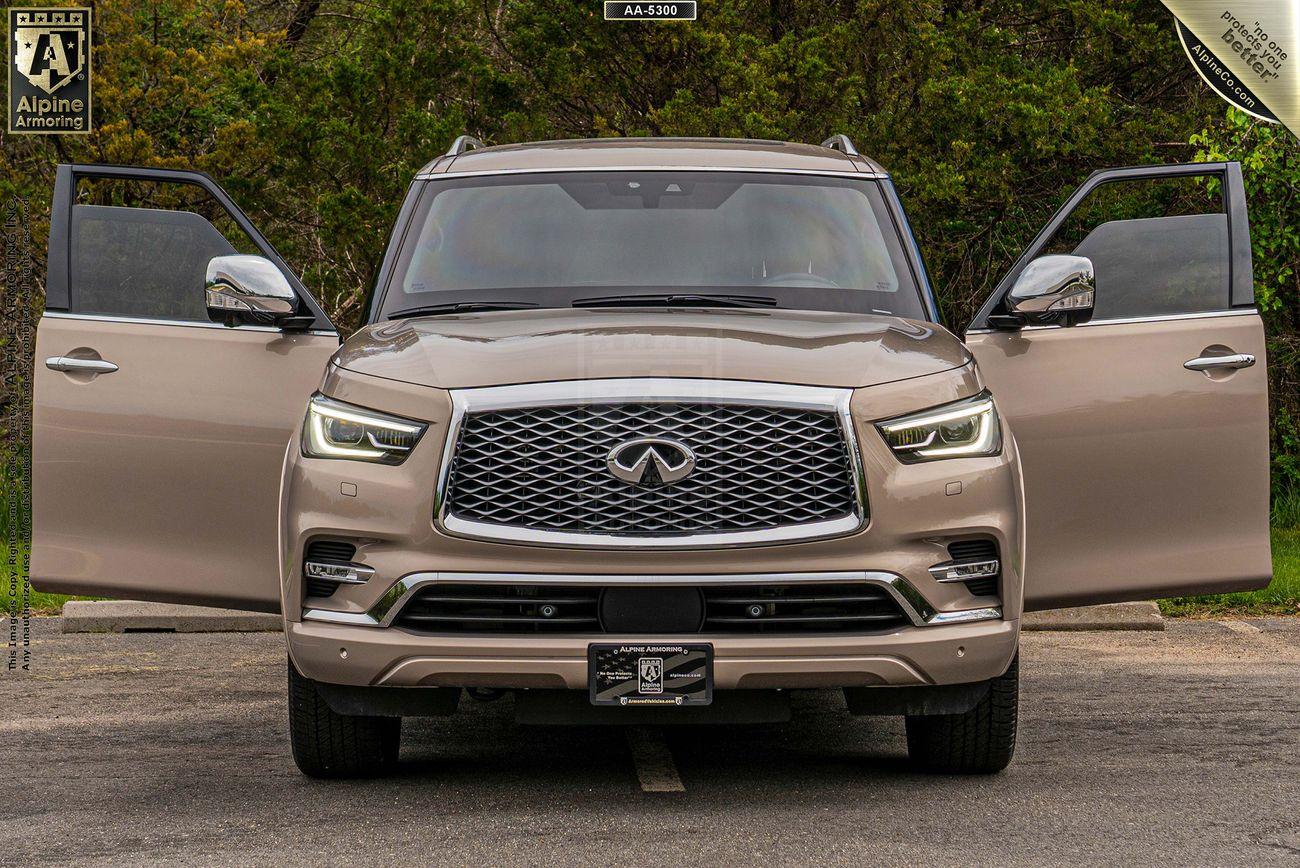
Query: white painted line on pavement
[654,761]
[1242,627]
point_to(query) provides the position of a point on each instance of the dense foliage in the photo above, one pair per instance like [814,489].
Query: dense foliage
[316,113]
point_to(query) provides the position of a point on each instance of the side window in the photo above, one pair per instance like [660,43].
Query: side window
[1158,247]
[141,248]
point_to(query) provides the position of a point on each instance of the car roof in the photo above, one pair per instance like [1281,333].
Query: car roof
[646,153]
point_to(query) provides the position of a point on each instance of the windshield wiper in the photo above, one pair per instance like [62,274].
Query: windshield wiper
[461,307]
[676,300]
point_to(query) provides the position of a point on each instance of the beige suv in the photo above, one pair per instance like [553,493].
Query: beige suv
[651,431]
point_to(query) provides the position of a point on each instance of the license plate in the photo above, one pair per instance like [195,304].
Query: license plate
[677,675]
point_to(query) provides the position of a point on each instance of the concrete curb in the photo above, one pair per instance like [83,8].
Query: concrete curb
[128,616]
[1108,616]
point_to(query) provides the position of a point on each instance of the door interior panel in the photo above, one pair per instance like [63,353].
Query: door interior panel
[1142,478]
[160,480]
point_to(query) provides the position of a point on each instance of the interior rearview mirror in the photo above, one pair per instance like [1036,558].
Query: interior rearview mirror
[1054,289]
[244,289]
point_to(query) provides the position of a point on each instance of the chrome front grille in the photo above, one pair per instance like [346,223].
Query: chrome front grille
[758,468]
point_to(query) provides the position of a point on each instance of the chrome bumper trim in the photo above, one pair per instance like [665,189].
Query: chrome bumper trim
[813,530]
[914,605]
[951,571]
[352,574]
[964,616]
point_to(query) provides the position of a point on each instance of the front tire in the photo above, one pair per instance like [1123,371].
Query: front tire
[327,744]
[979,742]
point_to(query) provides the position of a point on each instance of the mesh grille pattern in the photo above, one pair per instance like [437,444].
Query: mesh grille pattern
[544,468]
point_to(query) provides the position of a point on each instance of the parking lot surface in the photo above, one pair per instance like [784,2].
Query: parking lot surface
[1181,746]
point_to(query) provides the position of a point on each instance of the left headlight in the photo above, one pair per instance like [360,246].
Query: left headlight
[958,430]
[337,430]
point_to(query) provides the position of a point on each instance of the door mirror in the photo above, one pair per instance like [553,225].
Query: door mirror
[248,289]
[1052,289]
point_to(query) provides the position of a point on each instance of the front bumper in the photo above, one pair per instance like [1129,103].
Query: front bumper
[938,648]
[953,654]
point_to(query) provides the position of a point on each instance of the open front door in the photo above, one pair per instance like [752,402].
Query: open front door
[159,435]
[1143,432]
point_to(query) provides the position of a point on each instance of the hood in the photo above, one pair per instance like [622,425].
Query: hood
[784,346]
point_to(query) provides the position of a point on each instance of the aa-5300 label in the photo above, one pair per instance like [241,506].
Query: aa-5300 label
[620,10]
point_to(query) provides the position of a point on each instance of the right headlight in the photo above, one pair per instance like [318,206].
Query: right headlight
[958,430]
[334,429]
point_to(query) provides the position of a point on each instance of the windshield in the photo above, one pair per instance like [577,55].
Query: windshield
[554,239]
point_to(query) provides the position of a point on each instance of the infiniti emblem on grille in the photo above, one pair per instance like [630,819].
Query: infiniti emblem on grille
[650,461]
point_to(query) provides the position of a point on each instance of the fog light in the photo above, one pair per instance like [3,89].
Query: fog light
[347,574]
[965,572]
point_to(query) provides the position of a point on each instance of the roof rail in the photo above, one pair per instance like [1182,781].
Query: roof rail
[841,142]
[465,143]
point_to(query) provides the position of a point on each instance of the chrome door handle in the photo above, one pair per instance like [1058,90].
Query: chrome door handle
[1209,363]
[69,365]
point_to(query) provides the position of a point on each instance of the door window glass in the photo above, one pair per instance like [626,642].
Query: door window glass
[1158,246]
[141,248]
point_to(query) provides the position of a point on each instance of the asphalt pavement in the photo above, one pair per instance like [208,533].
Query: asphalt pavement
[1149,748]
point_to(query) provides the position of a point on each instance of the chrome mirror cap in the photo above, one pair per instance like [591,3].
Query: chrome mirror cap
[248,289]
[1054,288]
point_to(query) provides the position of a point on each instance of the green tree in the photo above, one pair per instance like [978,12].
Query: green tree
[315,114]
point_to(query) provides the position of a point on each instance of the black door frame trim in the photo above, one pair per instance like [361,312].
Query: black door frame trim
[1242,278]
[58,283]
